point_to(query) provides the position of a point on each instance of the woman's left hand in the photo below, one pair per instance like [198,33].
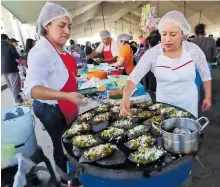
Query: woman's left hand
[206,105]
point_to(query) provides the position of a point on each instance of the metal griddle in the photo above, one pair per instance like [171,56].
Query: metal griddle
[129,170]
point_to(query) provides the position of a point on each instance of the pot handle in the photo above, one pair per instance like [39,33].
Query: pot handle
[157,128]
[203,126]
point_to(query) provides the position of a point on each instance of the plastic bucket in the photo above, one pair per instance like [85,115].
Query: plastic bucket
[19,131]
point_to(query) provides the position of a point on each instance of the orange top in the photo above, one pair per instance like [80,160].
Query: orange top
[127,53]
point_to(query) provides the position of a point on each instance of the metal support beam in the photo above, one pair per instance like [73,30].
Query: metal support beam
[103,17]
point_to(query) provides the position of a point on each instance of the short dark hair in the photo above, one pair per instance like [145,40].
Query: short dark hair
[88,42]
[133,42]
[218,42]
[200,29]
[192,37]
[4,37]
[97,44]
[154,38]
[29,45]
[72,42]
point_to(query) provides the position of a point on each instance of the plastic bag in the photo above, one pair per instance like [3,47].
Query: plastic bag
[7,151]
[24,166]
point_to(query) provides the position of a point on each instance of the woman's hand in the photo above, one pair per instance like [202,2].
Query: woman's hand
[99,60]
[113,65]
[125,107]
[77,98]
[207,103]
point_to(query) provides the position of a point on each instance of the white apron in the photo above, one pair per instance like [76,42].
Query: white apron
[176,82]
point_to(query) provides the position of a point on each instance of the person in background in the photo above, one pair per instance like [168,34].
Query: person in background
[125,57]
[72,45]
[108,47]
[149,80]
[211,36]
[218,52]
[206,44]
[97,44]
[142,40]
[88,50]
[173,62]
[23,63]
[76,55]
[191,38]
[93,47]
[14,42]
[79,50]
[218,43]
[22,52]
[134,46]
[82,47]
[9,68]
[51,81]
[29,45]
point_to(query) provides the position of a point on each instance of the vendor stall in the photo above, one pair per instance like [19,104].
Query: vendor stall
[130,152]
[106,79]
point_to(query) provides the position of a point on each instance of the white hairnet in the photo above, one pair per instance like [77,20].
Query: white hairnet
[50,12]
[105,34]
[176,18]
[124,37]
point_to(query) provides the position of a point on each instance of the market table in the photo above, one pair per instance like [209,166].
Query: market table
[93,76]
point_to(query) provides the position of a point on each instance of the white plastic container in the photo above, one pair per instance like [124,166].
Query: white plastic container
[19,131]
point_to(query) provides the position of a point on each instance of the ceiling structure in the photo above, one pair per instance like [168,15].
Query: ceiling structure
[119,16]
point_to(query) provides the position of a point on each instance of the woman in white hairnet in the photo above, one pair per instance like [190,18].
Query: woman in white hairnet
[125,56]
[174,63]
[51,79]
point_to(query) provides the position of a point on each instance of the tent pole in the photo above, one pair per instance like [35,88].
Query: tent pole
[130,19]
[90,27]
[200,16]
[158,7]
[121,25]
[115,28]
[103,15]
[184,3]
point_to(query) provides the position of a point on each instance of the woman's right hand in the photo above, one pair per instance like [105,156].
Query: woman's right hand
[125,107]
[77,98]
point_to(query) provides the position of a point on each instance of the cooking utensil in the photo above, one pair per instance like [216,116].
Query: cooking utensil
[179,143]
[157,128]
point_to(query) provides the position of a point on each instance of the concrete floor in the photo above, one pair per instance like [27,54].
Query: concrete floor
[209,154]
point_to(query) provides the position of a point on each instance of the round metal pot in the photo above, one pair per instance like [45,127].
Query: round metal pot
[182,143]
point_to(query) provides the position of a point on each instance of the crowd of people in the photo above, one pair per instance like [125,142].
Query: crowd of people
[14,64]
[165,61]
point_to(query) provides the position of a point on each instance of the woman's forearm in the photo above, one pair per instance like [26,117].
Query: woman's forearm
[208,88]
[129,87]
[43,93]
[110,59]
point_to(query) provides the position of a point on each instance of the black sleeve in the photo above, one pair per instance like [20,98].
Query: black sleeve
[14,52]
[214,48]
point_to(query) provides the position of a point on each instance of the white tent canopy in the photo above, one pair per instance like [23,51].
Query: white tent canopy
[119,16]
